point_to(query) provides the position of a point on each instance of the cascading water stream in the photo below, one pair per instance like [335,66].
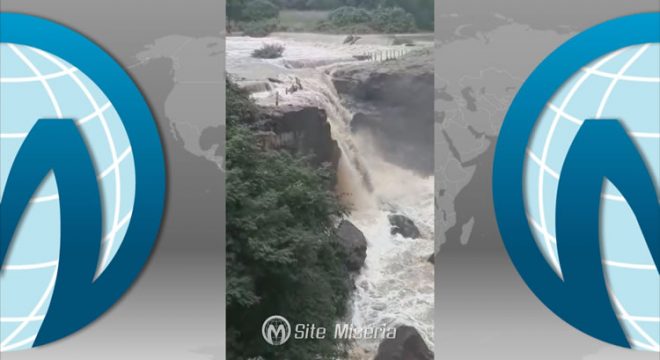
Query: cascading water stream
[395,287]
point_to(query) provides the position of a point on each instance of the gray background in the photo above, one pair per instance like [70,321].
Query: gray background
[176,308]
[173,49]
[483,308]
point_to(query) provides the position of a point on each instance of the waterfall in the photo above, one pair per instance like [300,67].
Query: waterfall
[396,285]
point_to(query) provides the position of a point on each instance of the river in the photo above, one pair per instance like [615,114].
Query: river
[395,287]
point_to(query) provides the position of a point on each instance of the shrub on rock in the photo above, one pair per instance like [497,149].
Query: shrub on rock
[269,51]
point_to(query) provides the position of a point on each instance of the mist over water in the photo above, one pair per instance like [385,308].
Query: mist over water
[395,287]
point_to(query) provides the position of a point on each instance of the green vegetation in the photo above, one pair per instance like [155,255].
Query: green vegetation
[301,20]
[259,10]
[334,16]
[421,10]
[392,20]
[323,4]
[282,253]
[269,51]
[380,20]
[348,15]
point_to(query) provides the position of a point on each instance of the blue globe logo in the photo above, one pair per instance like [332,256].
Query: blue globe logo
[576,181]
[35,84]
[622,85]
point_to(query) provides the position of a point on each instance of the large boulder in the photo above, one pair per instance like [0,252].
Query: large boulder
[354,244]
[407,345]
[404,226]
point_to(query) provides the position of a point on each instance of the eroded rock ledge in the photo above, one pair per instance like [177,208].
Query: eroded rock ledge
[393,101]
[299,129]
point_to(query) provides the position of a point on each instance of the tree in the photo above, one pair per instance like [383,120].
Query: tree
[348,15]
[257,10]
[421,10]
[283,256]
[235,9]
[392,20]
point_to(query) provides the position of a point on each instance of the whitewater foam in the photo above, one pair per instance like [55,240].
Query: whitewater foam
[396,285]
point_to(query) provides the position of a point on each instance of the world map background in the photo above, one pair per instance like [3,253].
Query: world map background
[483,54]
[483,310]
[175,310]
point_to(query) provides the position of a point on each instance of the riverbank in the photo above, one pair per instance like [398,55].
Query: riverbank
[395,286]
[343,20]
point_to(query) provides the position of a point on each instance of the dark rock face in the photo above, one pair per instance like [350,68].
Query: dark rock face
[394,103]
[299,129]
[407,345]
[354,243]
[431,259]
[404,226]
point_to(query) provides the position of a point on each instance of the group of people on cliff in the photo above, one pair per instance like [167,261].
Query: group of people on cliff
[295,86]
